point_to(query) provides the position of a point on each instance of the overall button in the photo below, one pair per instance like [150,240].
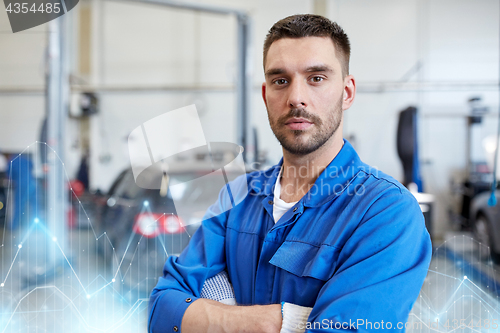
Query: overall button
[175,329]
[295,209]
[188,300]
[270,202]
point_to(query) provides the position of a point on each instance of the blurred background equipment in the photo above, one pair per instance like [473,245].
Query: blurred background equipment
[407,145]
[407,142]
[3,187]
[484,213]
[24,191]
[478,173]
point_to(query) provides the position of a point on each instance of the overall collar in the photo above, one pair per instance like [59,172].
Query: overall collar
[330,183]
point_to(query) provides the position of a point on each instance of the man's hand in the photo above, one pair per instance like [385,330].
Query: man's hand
[205,315]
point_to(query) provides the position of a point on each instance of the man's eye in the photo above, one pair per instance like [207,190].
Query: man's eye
[280,82]
[316,79]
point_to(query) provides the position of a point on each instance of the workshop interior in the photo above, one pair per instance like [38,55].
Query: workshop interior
[84,237]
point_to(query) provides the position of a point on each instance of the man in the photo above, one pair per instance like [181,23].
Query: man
[321,229]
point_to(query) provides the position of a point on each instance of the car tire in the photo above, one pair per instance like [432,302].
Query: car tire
[482,233]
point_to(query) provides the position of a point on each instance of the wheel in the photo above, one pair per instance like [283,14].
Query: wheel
[482,233]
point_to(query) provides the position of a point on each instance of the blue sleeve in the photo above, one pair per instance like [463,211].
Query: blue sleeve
[383,266]
[183,277]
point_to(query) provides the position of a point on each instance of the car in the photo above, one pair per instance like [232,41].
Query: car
[139,228]
[485,222]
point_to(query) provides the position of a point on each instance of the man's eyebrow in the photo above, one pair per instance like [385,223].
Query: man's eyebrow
[311,69]
[319,68]
[274,71]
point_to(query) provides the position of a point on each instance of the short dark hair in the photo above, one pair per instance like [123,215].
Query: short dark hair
[308,25]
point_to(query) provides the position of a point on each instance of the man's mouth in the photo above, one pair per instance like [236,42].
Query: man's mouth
[298,123]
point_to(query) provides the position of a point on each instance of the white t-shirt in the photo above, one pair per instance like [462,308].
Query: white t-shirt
[280,207]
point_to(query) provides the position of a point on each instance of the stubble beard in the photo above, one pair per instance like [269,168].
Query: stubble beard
[300,143]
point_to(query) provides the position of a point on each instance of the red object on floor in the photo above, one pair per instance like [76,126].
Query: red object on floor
[77,187]
[71,217]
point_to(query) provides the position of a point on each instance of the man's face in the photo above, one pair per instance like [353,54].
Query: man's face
[305,92]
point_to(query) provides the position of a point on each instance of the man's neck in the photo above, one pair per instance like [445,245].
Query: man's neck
[301,171]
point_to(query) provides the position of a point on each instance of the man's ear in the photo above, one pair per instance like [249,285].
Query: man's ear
[349,92]
[264,93]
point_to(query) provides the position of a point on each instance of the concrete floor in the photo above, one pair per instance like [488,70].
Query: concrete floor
[47,289]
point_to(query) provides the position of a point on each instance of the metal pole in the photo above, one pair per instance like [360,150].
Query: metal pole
[243,82]
[57,88]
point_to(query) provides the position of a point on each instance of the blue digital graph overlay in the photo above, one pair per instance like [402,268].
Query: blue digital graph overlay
[77,284]
[460,292]
[82,283]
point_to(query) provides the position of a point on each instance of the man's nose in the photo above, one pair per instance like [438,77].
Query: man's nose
[297,94]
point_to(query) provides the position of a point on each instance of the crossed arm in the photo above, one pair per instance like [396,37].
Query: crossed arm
[206,315]
[214,312]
